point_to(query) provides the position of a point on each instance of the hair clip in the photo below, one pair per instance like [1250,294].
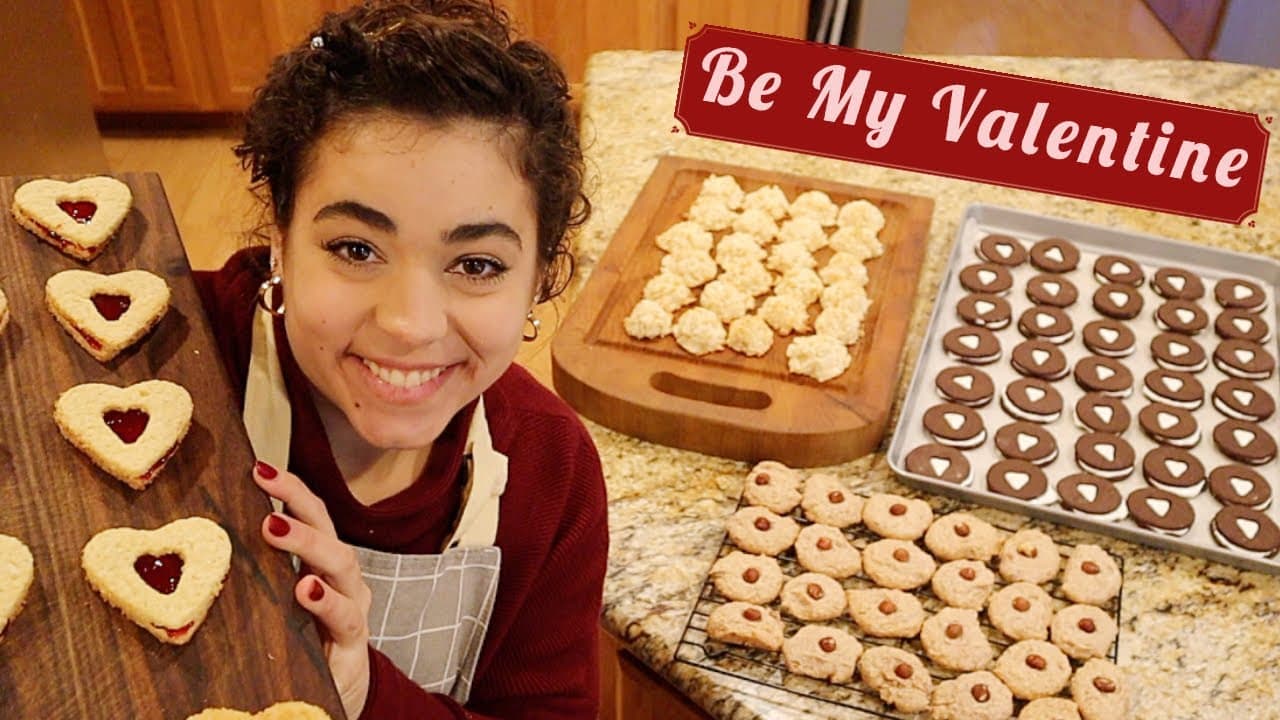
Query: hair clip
[380,34]
[317,42]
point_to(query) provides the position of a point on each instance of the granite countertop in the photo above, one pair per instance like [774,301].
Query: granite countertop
[1198,639]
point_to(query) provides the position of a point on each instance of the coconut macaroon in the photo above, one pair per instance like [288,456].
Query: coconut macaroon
[844,266]
[648,320]
[842,322]
[821,357]
[685,235]
[787,256]
[802,283]
[736,248]
[699,331]
[724,187]
[861,214]
[693,268]
[770,199]
[712,213]
[668,290]
[749,277]
[785,314]
[815,204]
[726,300]
[750,336]
[843,293]
[758,223]
[804,230]
[855,241]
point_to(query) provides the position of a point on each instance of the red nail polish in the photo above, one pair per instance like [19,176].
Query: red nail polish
[277,525]
[317,592]
[265,471]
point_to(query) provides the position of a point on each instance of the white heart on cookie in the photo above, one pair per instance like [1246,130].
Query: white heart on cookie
[78,218]
[106,313]
[17,570]
[130,432]
[166,579]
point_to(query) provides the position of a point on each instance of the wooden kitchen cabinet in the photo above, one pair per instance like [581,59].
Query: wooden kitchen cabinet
[631,691]
[209,55]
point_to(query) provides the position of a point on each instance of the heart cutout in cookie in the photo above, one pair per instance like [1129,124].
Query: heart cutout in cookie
[1119,268]
[939,465]
[1035,394]
[1017,480]
[1107,451]
[106,314]
[1054,254]
[1087,491]
[1249,527]
[1104,413]
[18,571]
[1026,442]
[1118,298]
[1175,467]
[986,277]
[1039,356]
[1166,420]
[1241,486]
[1177,282]
[1185,315]
[1242,291]
[954,420]
[1244,438]
[1004,250]
[1159,506]
[1244,397]
[970,341]
[1244,356]
[111,558]
[1244,325]
[1173,384]
[964,381]
[1177,349]
[78,218]
[983,307]
[1109,334]
[129,432]
[1044,320]
[1105,373]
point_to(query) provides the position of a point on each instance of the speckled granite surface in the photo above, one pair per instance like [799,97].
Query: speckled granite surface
[1199,640]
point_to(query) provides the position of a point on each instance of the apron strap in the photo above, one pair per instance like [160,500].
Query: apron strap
[268,420]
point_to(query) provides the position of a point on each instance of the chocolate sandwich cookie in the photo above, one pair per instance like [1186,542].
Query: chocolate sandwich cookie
[1161,511]
[1244,442]
[1104,375]
[986,278]
[1026,441]
[1055,255]
[1240,294]
[1091,495]
[1244,359]
[1174,470]
[965,385]
[1242,400]
[974,345]
[1102,413]
[1240,485]
[1047,323]
[1052,290]
[1103,455]
[988,311]
[1247,530]
[1169,425]
[1021,480]
[1171,387]
[1181,316]
[1002,250]
[1241,325]
[940,462]
[1177,284]
[1121,302]
[955,425]
[1040,359]
[1172,351]
[1109,338]
[1032,399]
[1118,269]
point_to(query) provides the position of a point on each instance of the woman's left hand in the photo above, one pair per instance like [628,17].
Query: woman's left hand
[331,588]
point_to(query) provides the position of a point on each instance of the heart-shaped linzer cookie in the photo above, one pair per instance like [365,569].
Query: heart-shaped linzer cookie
[292,710]
[129,432]
[78,217]
[106,313]
[17,569]
[164,579]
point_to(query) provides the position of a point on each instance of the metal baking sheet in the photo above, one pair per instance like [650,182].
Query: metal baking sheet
[1152,252]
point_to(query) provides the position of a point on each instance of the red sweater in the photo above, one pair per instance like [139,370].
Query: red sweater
[539,658]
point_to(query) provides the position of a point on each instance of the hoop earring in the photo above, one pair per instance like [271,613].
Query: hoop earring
[266,299]
[537,325]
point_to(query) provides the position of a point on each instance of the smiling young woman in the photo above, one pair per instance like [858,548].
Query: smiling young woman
[422,173]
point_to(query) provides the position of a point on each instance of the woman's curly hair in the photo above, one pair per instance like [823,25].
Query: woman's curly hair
[438,60]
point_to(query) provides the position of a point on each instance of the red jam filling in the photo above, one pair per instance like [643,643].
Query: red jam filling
[81,211]
[94,342]
[175,634]
[159,464]
[111,307]
[161,573]
[128,424]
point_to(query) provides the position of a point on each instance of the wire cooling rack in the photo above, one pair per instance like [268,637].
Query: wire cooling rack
[767,668]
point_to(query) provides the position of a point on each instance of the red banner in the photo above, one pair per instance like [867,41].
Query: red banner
[972,124]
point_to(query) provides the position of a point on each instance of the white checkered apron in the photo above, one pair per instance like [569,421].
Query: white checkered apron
[429,613]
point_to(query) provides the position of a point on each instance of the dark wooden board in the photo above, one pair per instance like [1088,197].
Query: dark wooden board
[68,654]
[725,403]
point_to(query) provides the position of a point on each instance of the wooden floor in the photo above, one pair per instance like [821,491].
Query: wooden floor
[215,211]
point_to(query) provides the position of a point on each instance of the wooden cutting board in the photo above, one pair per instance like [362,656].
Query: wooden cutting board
[68,654]
[725,403]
